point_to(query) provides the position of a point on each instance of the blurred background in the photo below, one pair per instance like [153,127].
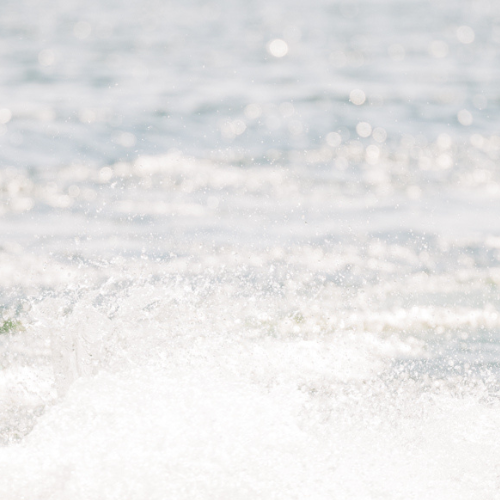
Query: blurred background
[412,86]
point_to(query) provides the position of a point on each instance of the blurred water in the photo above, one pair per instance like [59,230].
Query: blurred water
[249,250]
[96,83]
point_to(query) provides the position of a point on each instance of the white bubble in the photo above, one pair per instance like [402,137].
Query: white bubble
[364,129]
[278,48]
[230,129]
[444,161]
[239,127]
[379,134]
[464,117]
[357,97]
[5,115]
[105,174]
[46,57]
[253,111]
[226,130]
[372,154]
[465,34]
[477,140]
[356,149]
[333,139]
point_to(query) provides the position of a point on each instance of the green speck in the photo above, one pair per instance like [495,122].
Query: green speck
[11,326]
[298,317]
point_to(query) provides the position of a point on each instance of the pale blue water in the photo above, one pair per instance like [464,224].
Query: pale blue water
[249,250]
[172,73]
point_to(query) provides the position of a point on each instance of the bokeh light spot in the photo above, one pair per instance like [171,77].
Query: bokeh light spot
[333,139]
[477,140]
[5,115]
[357,97]
[465,34]
[379,134]
[464,117]
[364,129]
[278,48]
[46,57]
[253,111]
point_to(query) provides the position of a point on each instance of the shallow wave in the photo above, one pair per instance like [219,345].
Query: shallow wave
[195,388]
